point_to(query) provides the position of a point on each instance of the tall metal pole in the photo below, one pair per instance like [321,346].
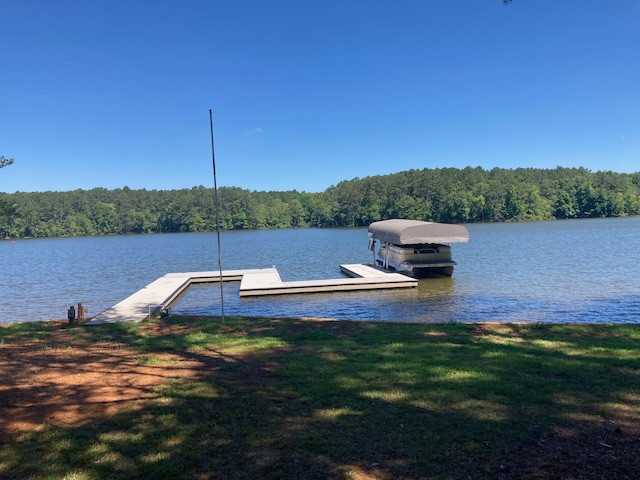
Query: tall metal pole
[215,190]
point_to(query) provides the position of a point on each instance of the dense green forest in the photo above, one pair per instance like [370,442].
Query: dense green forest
[441,195]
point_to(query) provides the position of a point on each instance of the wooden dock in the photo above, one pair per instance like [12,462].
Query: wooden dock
[255,282]
[160,293]
[363,277]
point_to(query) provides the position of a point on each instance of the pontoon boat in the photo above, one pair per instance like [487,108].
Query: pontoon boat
[417,249]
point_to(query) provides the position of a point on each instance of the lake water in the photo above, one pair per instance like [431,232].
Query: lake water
[562,271]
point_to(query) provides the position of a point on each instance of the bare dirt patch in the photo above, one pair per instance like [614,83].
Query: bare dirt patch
[65,381]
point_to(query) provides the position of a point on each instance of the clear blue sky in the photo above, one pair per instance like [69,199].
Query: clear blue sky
[308,93]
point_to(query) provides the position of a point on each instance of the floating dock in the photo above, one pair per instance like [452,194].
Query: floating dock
[255,282]
[363,277]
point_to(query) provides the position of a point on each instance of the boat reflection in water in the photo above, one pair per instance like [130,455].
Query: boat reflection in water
[415,248]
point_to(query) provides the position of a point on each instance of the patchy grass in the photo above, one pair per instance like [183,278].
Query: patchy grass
[155,360]
[290,398]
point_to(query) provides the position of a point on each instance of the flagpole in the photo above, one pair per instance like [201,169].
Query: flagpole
[215,190]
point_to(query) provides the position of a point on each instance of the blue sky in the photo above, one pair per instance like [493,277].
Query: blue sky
[306,93]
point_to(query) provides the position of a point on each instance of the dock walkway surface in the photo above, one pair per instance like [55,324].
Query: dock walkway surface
[253,282]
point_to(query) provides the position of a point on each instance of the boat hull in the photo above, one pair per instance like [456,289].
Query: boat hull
[417,261]
[420,272]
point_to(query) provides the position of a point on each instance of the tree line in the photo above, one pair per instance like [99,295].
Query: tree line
[5,207]
[448,195]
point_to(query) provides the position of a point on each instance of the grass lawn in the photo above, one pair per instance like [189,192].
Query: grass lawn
[295,399]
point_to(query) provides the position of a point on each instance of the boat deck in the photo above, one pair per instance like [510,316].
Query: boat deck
[254,282]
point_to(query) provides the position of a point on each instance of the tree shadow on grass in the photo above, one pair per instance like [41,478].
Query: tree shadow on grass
[296,399]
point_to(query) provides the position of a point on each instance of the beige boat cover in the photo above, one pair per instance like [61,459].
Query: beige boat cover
[407,232]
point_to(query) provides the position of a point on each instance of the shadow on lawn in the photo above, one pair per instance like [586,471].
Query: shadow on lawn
[299,399]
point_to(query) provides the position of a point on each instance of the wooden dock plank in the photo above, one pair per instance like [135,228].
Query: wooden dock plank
[318,286]
[144,302]
[161,292]
[361,270]
[253,282]
[363,277]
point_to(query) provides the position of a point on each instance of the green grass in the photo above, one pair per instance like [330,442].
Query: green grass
[301,399]
[27,331]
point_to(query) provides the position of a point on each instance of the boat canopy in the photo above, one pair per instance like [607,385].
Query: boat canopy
[408,232]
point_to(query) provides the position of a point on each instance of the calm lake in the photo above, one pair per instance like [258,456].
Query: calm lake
[560,271]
